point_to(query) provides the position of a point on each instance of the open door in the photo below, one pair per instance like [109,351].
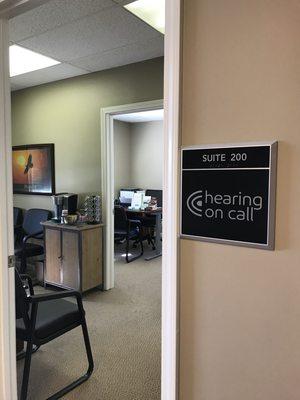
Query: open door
[7,306]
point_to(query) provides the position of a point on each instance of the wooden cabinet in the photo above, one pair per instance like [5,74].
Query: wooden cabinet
[73,256]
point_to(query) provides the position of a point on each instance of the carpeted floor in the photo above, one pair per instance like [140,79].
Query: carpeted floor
[124,326]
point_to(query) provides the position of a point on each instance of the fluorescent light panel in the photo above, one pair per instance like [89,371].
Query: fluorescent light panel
[150,11]
[142,116]
[22,60]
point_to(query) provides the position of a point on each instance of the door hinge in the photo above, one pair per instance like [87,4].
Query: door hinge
[11,261]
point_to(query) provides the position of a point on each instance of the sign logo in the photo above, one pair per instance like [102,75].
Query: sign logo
[234,207]
[194,203]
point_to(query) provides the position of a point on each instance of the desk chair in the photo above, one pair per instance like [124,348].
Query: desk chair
[128,229]
[31,229]
[18,220]
[44,317]
[149,222]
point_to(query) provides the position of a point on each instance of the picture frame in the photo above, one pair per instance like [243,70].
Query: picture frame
[33,169]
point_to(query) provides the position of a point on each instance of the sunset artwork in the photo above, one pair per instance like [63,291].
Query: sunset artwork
[33,169]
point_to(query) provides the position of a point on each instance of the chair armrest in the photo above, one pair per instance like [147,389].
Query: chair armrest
[38,235]
[38,298]
[53,296]
[29,281]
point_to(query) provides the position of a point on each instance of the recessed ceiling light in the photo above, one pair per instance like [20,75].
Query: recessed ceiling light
[22,60]
[150,11]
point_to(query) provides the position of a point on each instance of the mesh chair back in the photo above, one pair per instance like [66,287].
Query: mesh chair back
[22,305]
[18,217]
[156,193]
[120,219]
[33,218]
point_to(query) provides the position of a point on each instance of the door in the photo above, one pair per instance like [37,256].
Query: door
[7,306]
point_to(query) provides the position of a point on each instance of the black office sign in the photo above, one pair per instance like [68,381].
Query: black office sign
[228,194]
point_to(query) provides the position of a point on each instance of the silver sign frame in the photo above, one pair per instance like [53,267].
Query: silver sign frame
[270,245]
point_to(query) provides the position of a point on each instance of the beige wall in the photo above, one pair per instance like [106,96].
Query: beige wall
[240,307]
[147,147]
[67,113]
[138,155]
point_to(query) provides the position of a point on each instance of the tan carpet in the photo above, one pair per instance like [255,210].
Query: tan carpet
[124,326]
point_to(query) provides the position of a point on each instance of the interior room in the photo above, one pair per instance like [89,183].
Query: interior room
[101,54]
[136,171]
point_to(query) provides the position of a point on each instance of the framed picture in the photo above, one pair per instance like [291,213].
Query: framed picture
[33,169]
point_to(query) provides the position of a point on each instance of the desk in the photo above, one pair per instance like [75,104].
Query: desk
[158,227]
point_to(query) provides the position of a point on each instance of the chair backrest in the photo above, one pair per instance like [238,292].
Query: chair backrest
[18,216]
[22,305]
[33,218]
[156,193]
[120,218]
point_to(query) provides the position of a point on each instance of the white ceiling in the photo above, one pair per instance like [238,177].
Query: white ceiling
[143,116]
[85,36]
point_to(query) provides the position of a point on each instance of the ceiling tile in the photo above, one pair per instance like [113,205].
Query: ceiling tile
[111,28]
[124,55]
[53,14]
[55,73]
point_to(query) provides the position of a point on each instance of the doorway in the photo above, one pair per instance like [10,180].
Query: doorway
[169,312]
[107,168]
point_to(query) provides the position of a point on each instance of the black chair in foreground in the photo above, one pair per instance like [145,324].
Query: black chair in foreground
[128,229]
[44,317]
[31,229]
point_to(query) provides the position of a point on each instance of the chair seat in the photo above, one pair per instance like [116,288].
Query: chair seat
[122,232]
[52,316]
[31,249]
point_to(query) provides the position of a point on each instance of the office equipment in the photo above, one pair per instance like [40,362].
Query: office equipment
[73,255]
[137,201]
[126,195]
[64,201]
[44,317]
[158,194]
[31,229]
[127,229]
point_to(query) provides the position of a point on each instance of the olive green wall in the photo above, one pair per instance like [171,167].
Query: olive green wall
[67,113]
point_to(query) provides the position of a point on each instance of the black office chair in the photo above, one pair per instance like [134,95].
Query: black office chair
[44,317]
[18,220]
[149,222]
[31,228]
[128,229]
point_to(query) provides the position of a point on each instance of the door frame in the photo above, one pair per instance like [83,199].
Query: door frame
[107,178]
[169,380]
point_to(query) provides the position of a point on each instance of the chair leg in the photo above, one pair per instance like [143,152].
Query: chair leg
[84,377]
[127,249]
[26,371]
[22,355]
[88,348]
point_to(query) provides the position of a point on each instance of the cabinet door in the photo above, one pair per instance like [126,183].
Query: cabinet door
[91,258]
[53,256]
[70,261]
